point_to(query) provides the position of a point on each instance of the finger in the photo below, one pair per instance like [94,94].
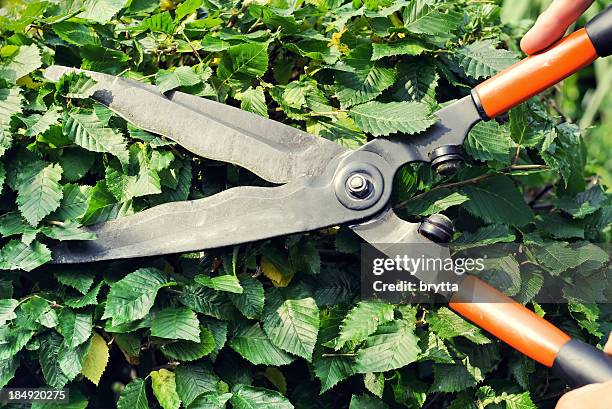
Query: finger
[552,24]
[596,396]
[608,347]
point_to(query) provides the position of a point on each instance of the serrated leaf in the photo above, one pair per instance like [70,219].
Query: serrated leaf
[253,100]
[8,367]
[80,280]
[497,200]
[91,298]
[87,131]
[186,8]
[482,59]
[254,345]
[176,323]
[393,346]
[43,122]
[363,80]
[366,402]
[38,191]
[192,380]
[421,17]
[251,301]
[249,397]
[435,201]
[167,80]
[76,85]
[71,359]
[408,46]
[291,324]
[7,310]
[447,325]
[331,370]
[16,255]
[74,203]
[101,11]
[164,389]
[25,60]
[49,362]
[75,327]
[227,282]
[489,141]
[10,104]
[382,119]
[12,340]
[96,359]
[132,297]
[189,350]
[456,377]
[417,81]
[75,33]
[250,60]
[362,321]
[134,396]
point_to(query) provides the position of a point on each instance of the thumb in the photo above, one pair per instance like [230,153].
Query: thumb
[552,24]
[608,347]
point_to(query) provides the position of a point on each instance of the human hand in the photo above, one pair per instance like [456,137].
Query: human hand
[552,24]
[596,396]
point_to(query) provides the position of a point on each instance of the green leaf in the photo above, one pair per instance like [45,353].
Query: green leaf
[227,282]
[393,346]
[134,396]
[381,119]
[375,383]
[291,324]
[254,345]
[366,402]
[164,389]
[71,359]
[435,201]
[38,191]
[189,350]
[456,377]
[584,203]
[8,367]
[244,60]
[192,380]
[557,257]
[16,255]
[447,325]
[359,80]
[75,327]
[7,308]
[253,100]
[176,323]
[362,321]
[25,60]
[49,362]
[489,141]
[12,340]
[497,200]
[75,33]
[101,11]
[186,8]
[331,370]
[69,230]
[76,85]
[408,46]
[251,301]
[10,104]
[91,298]
[417,81]
[132,297]
[86,130]
[248,397]
[74,203]
[44,122]
[481,59]
[96,359]
[420,17]
[560,227]
[167,80]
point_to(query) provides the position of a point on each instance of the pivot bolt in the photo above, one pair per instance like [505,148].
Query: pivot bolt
[358,186]
[437,228]
[446,160]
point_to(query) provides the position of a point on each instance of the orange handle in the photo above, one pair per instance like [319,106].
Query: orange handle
[508,320]
[534,74]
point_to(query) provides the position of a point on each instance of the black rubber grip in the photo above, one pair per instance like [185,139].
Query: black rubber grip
[582,364]
[599,30]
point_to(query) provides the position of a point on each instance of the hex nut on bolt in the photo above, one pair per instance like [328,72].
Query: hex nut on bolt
[358,186]
[446,160]
[437,228]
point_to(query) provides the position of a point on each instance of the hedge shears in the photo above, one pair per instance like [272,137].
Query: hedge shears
[321,184]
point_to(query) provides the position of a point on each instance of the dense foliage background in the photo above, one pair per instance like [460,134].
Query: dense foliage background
[279,324]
